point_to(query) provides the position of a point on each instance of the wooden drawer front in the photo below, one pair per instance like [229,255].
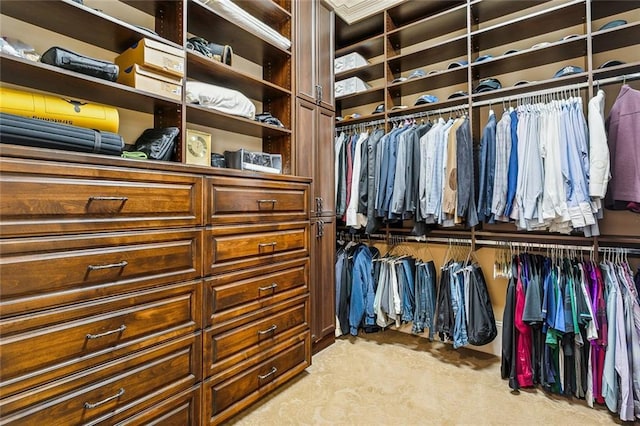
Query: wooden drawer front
[40,197]
[183,409]
[113,391]
[264,286]
[237,200]
[43,272]
[264,330]
[246,387]
[253,245]
[94,332]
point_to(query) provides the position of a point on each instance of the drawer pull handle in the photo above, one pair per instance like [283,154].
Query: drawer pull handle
[122,199]
[270,373]
[89,405]
[271,244]
[269,287]
[106,333]
[268,330]
[271,202]
[108,266]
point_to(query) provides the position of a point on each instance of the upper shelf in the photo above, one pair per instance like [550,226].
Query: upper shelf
[203,116]
[408,12]
[446,22]
[208,70]
[205,22]
[346,35]
[615,38]
[534,24]
[56,15]
[488,10]
[603,8]
[267,11]
[48,78]
[361,98]
[368,48]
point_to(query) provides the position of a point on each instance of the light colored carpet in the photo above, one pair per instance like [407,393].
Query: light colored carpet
[393,378]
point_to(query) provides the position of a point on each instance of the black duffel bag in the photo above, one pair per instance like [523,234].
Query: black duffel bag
[72,61]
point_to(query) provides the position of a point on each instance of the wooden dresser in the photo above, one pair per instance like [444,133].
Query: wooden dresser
[140,292]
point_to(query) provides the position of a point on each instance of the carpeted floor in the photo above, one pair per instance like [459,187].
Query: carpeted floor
[394,378]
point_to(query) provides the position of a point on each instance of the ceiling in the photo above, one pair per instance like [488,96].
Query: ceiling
[354,10]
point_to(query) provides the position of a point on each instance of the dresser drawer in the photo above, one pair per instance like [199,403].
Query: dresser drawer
[65,340]
[52,271]
[183,409]
[232,248]
[41,197]
[238,200]
[110,392]
[237,293]
[224,399]
[234,341]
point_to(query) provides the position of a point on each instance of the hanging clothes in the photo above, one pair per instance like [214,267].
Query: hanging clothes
[573,327]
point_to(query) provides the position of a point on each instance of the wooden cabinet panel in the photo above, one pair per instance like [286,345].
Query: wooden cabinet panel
[314,53]
[230,248]
[325,153]
[223,400]
[234,294]
[305,45]
[50,271]
[179,410]
[306,140]
[56,198]
[113,391]
[65,340]
[325,50]
[252,201]
[323,288]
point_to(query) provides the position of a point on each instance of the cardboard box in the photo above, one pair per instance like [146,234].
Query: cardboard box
[150,81]
[153,55]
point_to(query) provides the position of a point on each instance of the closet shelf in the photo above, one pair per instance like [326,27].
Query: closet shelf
[560,51]
[615,38]
[369,48]
[361,119]
[209,117]
[347,35]
[434,81]
[23,72]
[455,48]
[486,10]
[114,35]
[210,71]
[446,22]
[603,8]
[409,12]
[616,71]
[531,87]
[535,24]
[361,98]
[372,71]
[447,103]
[205,22]
[267,11]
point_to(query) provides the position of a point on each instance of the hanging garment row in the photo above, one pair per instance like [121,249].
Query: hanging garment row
[535,167]
[374,291]
[573,327]
[421,171]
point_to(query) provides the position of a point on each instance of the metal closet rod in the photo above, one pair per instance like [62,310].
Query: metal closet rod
[493,243]
[393,118]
